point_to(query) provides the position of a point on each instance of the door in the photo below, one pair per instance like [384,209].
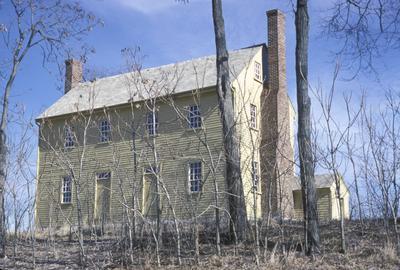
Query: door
[150,198]
[102,214]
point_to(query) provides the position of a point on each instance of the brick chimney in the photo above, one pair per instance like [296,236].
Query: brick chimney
[73,74]
[276,128]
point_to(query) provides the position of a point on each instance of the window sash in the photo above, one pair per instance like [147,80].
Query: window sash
[105,131]
[195,177]
[253,116]
[194,117]
[67,189]
[68,137]
[257,71]
[152,123]
[254,174]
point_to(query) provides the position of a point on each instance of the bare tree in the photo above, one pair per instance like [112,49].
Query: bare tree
[46,25]
[304,130]
[237,206]
[367,28]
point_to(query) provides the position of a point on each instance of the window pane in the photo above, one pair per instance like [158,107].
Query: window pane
[67,189]
[257,71]
[68,137]
[253,116]
[195,176]
[105,131]
[194,117]
[254,174]
[152,123]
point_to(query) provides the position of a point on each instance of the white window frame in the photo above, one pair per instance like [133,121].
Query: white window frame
[105,131]
[195,174]
[152,123]
[255,177]
[66,190]
[194,116]
[69,139]
[253,116]
[257,71]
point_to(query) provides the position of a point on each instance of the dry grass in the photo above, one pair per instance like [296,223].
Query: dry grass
[367,249]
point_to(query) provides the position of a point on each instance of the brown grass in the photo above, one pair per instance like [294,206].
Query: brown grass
[367,249]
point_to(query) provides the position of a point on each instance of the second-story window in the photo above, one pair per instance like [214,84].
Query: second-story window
[105,131]
[69,140]
[194,117]
[253,116]
[152,123]
[66,192]
[254,174]
[195,177]
[257,71]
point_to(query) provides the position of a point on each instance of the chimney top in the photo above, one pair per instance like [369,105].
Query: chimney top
[73,74]
[274,12]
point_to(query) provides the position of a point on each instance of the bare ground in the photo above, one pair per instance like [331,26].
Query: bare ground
[367,249]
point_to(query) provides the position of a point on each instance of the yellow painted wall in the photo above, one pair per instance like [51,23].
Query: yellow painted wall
[247,91]
[328,203]
[323,204]
[344,193]
[176,145]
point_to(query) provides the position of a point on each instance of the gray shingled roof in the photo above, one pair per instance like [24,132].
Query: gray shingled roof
[321,181]
[134,86]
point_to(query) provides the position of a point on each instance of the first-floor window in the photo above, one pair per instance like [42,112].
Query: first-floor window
[66,189]
[195,177]
[254,174]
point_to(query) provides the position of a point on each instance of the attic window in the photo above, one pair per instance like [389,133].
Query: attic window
[257,71]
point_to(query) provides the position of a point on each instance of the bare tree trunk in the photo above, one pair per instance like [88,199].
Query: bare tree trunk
[233,177]
[304,130]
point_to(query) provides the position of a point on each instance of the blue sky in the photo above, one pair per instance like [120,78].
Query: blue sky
[167,31]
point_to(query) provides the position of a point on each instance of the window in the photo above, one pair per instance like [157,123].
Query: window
[68,137]
[151,170]
[194,117]
[66,189]
[254,174]
[105,131]
[195,177]
[104,176]
[253,116]
[257,71]
[152,123]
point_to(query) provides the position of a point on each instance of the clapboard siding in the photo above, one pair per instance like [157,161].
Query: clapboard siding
[323,204]
[247,91]
[176,145]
